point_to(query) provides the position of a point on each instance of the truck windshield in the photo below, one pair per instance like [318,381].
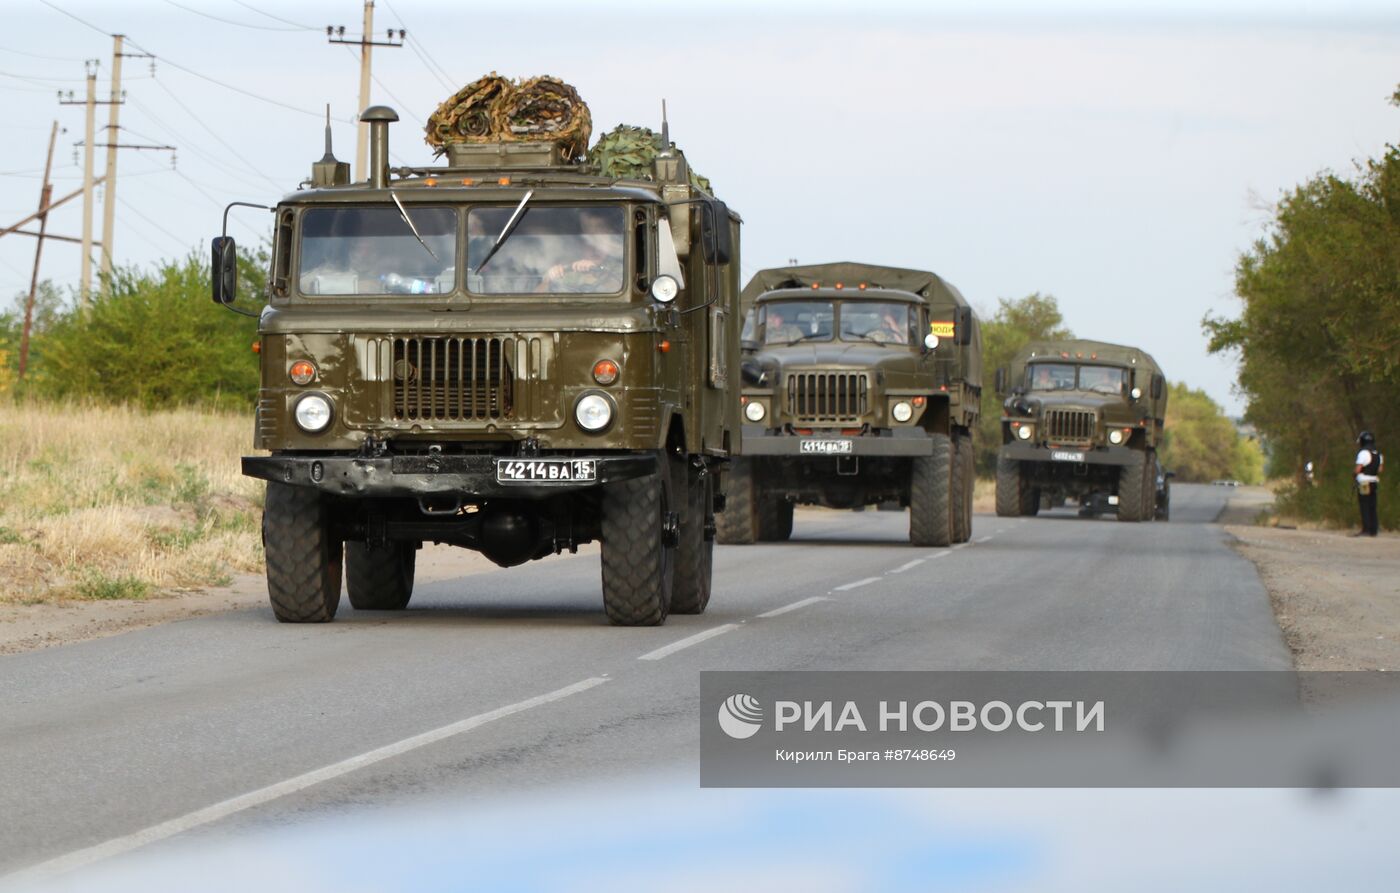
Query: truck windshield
[883,323]
[785,322]
[372,251]
[552,250]
[1070,377]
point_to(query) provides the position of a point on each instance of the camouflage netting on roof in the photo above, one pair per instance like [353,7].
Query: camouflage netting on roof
[545,109]
[493,109]
[627,152]
[466,116]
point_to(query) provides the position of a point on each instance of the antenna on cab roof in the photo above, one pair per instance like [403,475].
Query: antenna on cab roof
[665,129]
[328,171]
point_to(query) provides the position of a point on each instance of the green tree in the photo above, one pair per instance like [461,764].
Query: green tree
[155,339]
[1317,338]
[1017,321]
[1200,442]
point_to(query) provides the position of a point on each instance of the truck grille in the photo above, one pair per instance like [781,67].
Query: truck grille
[453,378]
[816,397]
[1070,426]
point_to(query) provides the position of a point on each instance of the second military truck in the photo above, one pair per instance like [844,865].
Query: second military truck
[861,386]
[1083,420]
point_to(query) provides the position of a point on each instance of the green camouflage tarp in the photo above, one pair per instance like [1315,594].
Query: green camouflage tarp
[626,152]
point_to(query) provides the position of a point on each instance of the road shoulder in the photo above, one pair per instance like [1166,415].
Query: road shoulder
[1336,598]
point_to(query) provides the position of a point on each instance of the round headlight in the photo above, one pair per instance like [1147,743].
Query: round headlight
[593,412]
[1024,432]
[665,289]
[1115,437]
[1137,393]
[754,411]
[902,411]
[313,413]
[931,341]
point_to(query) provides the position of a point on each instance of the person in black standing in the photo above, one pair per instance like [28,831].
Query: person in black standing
[1369,463]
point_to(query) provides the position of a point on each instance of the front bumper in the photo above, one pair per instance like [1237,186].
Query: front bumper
[1103,455]
[417,476]
[759,441]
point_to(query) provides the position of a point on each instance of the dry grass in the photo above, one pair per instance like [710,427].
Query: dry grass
[109,502]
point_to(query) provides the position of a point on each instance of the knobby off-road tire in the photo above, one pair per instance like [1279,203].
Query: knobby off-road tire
[638,567]
[380,578]
[1133,505]
[1149,486]
[738,523]
[964,473]
[931,495]
[774,519]
[1011,488]
[304,558]
[695,552]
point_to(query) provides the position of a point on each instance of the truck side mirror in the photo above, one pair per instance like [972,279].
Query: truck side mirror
[715,242]
[962,326]
[1157,384]
[1001,381]
[224,270]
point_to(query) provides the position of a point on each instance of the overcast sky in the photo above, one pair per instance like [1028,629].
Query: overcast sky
[1118,157]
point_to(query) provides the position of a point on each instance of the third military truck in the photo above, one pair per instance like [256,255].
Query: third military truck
[1083,420]
[861,386]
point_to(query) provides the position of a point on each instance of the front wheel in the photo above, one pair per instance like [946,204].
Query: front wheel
[380,578]
[695,545]
[738,523]
[930,495]
[637,549]
[774,519]
[1132,489]
[303,555]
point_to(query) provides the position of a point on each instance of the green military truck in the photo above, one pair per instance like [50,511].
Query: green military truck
[1083,420]
[861,386]
[512,353]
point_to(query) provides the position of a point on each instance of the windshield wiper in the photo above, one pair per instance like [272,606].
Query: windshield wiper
[403,212]
[506,230]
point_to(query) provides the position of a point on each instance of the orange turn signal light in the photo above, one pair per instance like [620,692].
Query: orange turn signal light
[918,401]
[605,372]
[468,181]
[430,182]
[664,347]
[257,347]
[302,372]
[504,181]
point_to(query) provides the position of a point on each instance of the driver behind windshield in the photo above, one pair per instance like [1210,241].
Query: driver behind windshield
[777,329]
[596,259]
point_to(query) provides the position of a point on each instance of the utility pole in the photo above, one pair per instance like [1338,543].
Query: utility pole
[45,193]
[89,141]
[109,195]
[336,34]
[109,191]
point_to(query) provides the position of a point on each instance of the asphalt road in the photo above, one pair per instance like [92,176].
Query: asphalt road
[512,680]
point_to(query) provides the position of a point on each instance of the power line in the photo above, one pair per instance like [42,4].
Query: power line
[227,21]
[275,18]
[390,93]
[80,21]
[132,208]
[422,51]
[40,55]
[221,140]
[187,143]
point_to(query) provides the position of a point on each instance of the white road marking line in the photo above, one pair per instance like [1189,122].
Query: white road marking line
[857,584]
[794,606]
[983,539]
[667,650]
[909,565]
[119,845]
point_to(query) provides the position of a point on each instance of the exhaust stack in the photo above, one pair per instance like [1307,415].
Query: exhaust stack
[379,117]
